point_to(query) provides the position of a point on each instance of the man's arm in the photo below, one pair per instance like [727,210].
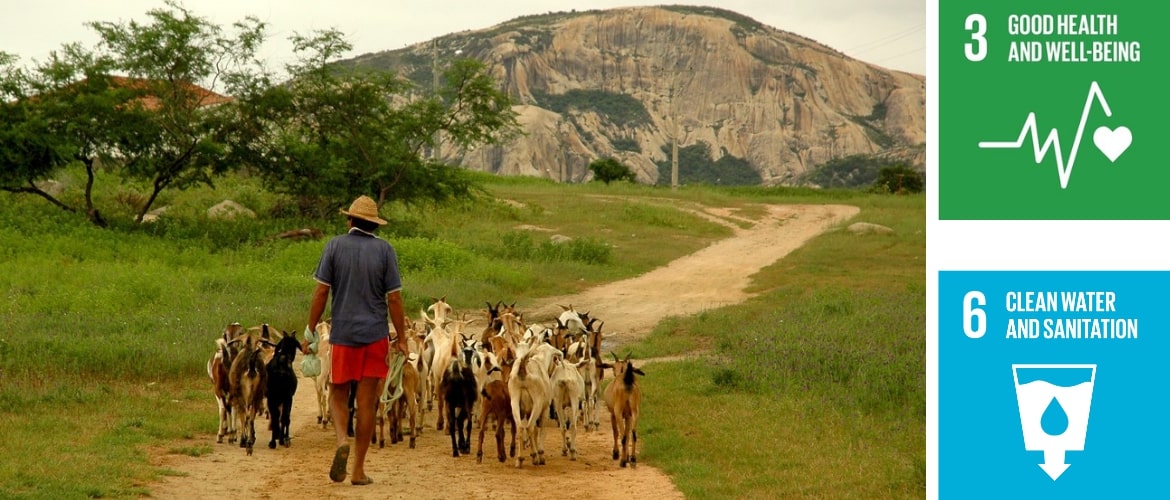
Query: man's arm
[398,318]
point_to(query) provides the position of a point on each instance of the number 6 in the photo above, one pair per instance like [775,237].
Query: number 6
[971,313]
[977,51]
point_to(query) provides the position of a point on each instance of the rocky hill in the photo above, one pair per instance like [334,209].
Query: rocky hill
[618,82]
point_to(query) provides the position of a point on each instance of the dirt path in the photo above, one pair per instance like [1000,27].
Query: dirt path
[712,277]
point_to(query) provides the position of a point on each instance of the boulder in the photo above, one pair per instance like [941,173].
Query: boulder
[229,210]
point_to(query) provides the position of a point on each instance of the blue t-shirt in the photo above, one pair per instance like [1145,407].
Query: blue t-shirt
[360,269]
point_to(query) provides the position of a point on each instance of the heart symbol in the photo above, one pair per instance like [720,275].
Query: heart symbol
[1112,142]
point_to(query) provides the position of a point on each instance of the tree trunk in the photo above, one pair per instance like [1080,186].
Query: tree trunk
[91,212]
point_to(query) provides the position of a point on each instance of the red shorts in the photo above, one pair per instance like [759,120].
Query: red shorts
[355,363]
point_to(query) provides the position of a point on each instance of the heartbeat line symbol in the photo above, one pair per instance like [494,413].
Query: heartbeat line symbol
[1111,142]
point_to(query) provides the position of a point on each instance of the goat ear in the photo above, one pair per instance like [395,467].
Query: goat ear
[639,372]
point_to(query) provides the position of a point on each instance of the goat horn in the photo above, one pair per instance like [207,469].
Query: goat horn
[615,358]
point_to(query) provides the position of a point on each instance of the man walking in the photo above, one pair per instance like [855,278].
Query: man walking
[361,271]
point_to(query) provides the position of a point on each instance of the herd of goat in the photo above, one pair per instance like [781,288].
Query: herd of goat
[516,374]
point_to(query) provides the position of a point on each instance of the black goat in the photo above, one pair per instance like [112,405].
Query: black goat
[282,386]
[458,388]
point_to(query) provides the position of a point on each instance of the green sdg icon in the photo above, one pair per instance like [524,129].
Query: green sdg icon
[1048,111]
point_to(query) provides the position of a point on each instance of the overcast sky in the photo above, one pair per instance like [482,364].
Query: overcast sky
[888,33]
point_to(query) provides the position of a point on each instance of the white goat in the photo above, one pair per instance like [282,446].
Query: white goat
[322,382]
[568,388]
[530,389]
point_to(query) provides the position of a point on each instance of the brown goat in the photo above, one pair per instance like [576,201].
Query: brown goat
[497,404]
[218,368]
[623,396]
[249,378]
[407,404]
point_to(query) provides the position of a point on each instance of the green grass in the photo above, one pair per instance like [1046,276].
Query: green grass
[823,373]
[104,332]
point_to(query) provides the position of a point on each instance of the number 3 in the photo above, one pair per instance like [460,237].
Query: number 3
[976,51]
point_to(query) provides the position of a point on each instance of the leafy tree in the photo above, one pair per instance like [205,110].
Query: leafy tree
[65,111]
[331,133]
[151,124]
[608,170]
[899,179]
[182,139]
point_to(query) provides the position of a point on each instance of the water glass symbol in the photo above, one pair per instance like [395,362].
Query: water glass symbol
[1054,403]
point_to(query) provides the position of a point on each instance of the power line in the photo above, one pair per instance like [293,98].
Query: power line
[911,51]
[886,40]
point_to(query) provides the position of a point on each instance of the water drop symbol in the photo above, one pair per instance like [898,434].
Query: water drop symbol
[1055,420]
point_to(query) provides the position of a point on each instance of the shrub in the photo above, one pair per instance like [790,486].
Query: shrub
[608,170]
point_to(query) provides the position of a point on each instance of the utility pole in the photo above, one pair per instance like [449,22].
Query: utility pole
[673,140]
[435,93]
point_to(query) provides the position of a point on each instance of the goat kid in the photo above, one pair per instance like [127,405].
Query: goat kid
[498,405]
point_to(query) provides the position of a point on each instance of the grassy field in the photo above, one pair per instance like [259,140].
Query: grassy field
[104,333]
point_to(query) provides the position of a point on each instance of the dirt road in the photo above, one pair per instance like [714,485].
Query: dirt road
[712,277]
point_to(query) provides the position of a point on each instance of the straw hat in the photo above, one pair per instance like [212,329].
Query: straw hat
[364,208]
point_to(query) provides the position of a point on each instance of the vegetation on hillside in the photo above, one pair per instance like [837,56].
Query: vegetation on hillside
[864,171]
[619,109]
[696,167]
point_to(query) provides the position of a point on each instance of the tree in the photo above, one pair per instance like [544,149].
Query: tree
[331,133]
[133,104]
[182,138]
[608,170]
[63,112]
